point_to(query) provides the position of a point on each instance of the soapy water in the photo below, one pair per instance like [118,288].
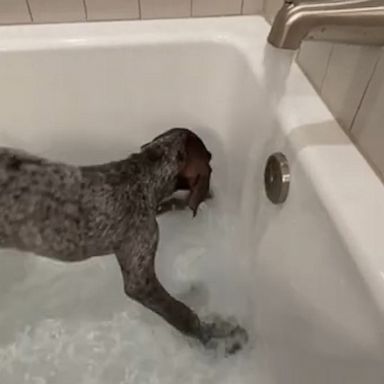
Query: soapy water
[71,323]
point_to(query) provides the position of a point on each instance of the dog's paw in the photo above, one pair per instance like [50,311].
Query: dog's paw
[223,336]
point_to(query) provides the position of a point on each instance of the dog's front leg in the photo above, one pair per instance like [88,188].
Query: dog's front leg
[136,259]
[175,204]
[171,204]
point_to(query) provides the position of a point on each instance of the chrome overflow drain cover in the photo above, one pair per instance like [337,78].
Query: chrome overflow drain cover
[277,178]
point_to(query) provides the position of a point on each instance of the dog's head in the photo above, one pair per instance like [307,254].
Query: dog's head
[192,157]
[195,171]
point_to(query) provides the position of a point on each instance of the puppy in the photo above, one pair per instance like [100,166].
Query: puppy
[71,213]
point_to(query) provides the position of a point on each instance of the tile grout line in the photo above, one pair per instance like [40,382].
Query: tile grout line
[191,8]
[350,128]
[85,9]
[242,7]
[326,69]
[139,7]
[29,10]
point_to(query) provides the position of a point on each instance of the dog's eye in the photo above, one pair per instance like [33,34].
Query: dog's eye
[180,156]
[154,154]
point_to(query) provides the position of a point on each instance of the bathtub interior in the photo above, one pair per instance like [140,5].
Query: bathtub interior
[284,272]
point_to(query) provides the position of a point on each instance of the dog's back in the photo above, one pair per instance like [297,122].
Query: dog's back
[66,212]
[39,205]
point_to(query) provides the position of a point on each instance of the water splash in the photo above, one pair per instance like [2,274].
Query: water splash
[277,65]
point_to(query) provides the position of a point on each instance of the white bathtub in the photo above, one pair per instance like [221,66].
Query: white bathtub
[306,278]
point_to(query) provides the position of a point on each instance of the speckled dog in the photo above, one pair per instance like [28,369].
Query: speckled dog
[73,213]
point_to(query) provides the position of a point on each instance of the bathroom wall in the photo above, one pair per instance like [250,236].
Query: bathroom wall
[350,79]
[41,11]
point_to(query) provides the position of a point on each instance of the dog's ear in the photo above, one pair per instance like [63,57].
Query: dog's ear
[197,171]
[199,192]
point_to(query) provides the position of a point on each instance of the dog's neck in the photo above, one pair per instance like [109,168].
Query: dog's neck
[161,179]
[158,178]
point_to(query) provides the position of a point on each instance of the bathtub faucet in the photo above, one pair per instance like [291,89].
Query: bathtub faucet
[345,21]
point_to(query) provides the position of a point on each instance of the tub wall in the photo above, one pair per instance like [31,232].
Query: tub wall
[349,79]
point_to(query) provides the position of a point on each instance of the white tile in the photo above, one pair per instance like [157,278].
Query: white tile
[349,70]
[151,9]
[271,7]
[252,6]
[57,10]
[112,9]
[313,59]
[368,127]
[216,7]
[14,11]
